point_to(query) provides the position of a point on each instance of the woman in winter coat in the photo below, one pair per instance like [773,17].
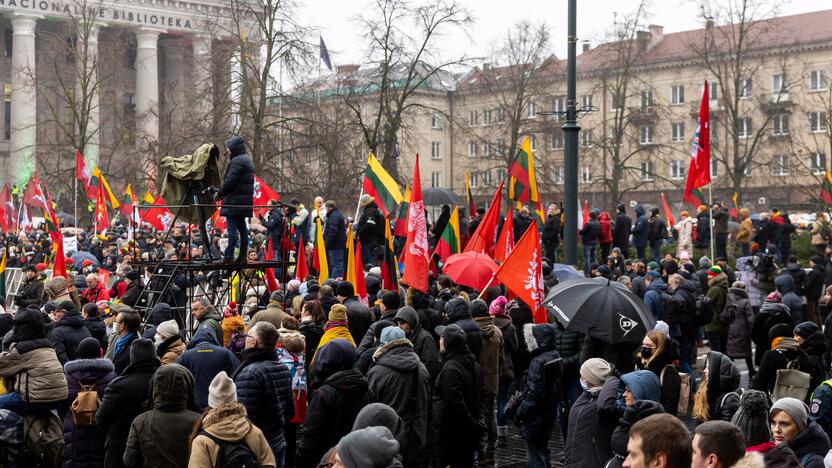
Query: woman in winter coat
[739,318]
[745,232]
[790,425]
[811,341]
[290,348]
[85,441]
[745,267]
[772,312]
[225,421]
[312,320]
[169,345]
[497,309]
[658,354]
[716,398]
[593,418]
[685,229]
[784,350]
[604,235]
[638,397]
[820,233]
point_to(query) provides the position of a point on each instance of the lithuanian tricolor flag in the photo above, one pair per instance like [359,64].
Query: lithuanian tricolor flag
[696,197]
[390,266]
[401,219]
[3,271]
[449,243]
[381,186]
[472,207]
[826,189]
[128,201]
[96,174]
[523,183]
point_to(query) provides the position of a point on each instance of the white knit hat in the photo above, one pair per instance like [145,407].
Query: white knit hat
[167,329]
[222,390]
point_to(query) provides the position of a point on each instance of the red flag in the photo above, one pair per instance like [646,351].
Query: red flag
[7,214]
[505,242]
[102,220]
[217,221]
[60,261]
[271,281]
[33,196]
[82,173]
[301,270]
[157,215]
[522,273]
[585,210]
[671,221]
[415,253]
[360,285]
[699,171]
[262,194]
[483,238]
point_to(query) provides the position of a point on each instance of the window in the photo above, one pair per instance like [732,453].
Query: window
[436,120]
[714,128]
[780,124]
[746,89]
[559,105]
[7,111]
[677,94]
[486,177]
[713,91]
[677,169]
[747,166]
[486,117]
[558,175]
[557,140]
[714,168]
[646,171]
[645,135]
[8,38]
[531,110]
[586,101]
[586,174]
[586,138]
[486,149]
[617,101]
[646,100]
[817,80]
[475,179]
[501,145]
[472,149]
[779,87]
[501,115]
[744,127]
[435,150]
[533,142]
[818,121]
[818,163]
[677,132]
[473,118]
[435,179]
[780,165]
[128,102]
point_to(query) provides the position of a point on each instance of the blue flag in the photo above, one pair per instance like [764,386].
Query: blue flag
[325,55]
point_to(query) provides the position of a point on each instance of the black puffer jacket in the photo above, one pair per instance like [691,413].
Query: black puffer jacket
[423,343]
[668,374]
[776,359]
[771,314]
[633,414]
[205,358]
[815,348]
[506,326]
[520,315]
[540,385]
[370,225]
[30,292]
[723,379]
[459,313]
[592,420]
[810,446]
[399,380]
[785,285]
[358,318]
[238,182]
[67,334]
[97,329]
[568,345]
[621,232]
[85,444]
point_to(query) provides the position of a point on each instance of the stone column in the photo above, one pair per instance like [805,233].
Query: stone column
[87,76]
[24,99]
[147,87]
[203,78]
[175,104]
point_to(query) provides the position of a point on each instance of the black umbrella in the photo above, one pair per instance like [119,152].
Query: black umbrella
[604,310]
[435,196]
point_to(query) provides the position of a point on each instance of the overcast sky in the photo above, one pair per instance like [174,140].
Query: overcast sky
[333,20]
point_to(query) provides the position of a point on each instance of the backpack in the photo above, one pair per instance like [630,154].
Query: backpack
[237,343]
[233,454]
[85,405]
[684,390]
[673,308]
[703,312]
[791,382]
[43,441]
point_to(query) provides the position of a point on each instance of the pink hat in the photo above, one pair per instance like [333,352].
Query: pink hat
[774,297]
[498,305]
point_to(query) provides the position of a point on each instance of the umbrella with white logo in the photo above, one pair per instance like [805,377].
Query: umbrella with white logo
[604,310]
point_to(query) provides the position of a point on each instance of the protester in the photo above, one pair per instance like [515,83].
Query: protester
[593,417]
[658,353]
[752,417]
[716,331]
[206,315]
[68,331]
[790,424]
[536,412]
[738,316]
[784,353]
[94,323]
[205,358]
[716,398]
[717,444]
[358,315]
[772,312]
[659,440]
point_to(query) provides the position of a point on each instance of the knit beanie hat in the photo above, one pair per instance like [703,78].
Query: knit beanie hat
[795,408]
[704,261]
[142,349]
[780,330]
[662,327]
[379,414]
[498,305]
[714,271]
[595,371]
[391,333]
[338,313]
[230,310]
[652,274]
[391,300]
[167,329]
[752,417]
[652,266]
[222,390]
[805,329]
[28,325]
[88,348]
[371,447]
[774,296]
[345,288]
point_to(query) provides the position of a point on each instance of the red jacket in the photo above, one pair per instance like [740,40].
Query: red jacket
[605,236]
[100,293]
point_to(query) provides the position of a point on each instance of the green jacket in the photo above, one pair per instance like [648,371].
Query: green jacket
[718,293]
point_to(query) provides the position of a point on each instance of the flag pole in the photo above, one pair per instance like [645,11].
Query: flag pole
[711,220]
[358,205]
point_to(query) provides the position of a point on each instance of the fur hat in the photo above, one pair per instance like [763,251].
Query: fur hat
[338,313]
[752,417]
[222,390]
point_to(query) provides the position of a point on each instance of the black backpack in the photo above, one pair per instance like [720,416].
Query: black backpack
[703,313]
[673,308]
[233,454]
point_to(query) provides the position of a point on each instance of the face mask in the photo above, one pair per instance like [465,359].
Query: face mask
[646,352]
[158,339]
[584,385]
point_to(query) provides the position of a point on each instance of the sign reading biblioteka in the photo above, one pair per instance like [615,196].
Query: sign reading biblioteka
[120,14]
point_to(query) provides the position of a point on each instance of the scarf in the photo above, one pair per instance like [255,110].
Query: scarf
[784,343]
[122,341]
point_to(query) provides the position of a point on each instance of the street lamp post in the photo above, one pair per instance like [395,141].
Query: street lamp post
[571,129]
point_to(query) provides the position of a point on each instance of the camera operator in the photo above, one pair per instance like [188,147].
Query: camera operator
[237,196]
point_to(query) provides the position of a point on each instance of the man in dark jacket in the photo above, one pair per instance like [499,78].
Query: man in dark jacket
[264,386]
[441,222]
[458,313]
[720,231]
[94,322]
[68,332]
[522,220]
[814,289]
[206,316]
[785,286]
[335,239]
[536,413]
[275,226]
[797,273]
[125,331]
[161,436]
[205,359]
[621,230]
[133,290]
[124,399]
[657,231]
[370,230]
[343,392]
[400,380]
[358,315]
[237,195]
[640,232]
[456,399]
[703,229]
[551,233]
[589,238]
[31,290]
[423,343]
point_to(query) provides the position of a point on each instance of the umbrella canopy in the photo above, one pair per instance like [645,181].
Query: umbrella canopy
[436,196]
[607,311]
[67,219]
[470,269]
[565,272]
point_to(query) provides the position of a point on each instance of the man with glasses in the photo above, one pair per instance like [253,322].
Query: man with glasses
[264,386]
[125,332]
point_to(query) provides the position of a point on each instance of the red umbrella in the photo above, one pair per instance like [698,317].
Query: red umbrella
[470,269]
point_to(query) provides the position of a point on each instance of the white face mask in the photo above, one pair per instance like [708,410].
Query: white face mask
[158,339]
[584,385]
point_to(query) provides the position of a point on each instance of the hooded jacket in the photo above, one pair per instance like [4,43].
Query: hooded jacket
[785,285]
[775,359]
[621,231]
[506,326]
[592,420]
[633,414]
[400,380]
[643,384]
[67,334]
[38,375]
[739,317]
[723,378]
[798,277]
[212,320]
[491,355]
[30,292]
[703,230]
[653,297]
[423,343]
[238,182]
[605,233]
[358,318]
[160,437]
[718,292]
[459,313]
[640,230]
[85,444]
[205,358]
[810,446]
[228,422]
[537,410]
[815,347]
[771,314]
